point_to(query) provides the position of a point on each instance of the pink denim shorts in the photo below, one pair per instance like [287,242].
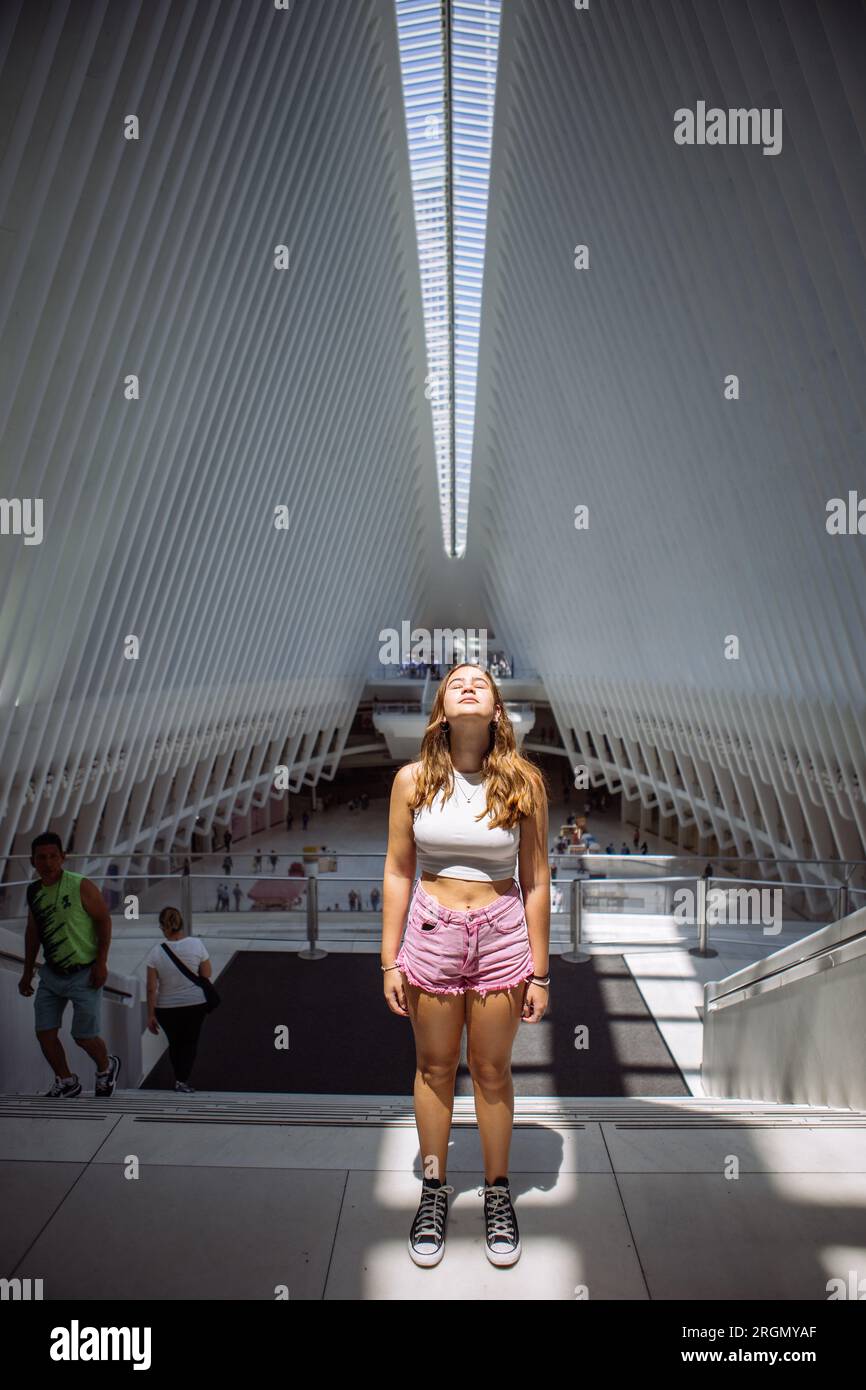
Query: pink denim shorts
[447,951]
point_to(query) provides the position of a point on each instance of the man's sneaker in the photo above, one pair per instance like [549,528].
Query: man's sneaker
[65,1086]
[427,1236]
[182,1086]
[503,1238]
[105,1082]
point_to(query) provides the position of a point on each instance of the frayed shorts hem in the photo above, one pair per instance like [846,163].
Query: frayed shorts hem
[493,989]
[482,990]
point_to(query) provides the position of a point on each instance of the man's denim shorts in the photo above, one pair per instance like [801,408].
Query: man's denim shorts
[55,991]
[447,951]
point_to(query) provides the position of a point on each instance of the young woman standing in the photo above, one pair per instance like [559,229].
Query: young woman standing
[475,952]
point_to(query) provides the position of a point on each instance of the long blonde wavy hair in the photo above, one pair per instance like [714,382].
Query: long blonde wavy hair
[514,786]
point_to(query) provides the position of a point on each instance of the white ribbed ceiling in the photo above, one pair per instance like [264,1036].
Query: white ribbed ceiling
[305,388]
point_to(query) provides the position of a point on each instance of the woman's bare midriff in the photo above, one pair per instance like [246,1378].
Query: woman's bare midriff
[464,894]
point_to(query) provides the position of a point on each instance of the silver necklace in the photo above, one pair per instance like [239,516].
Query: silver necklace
[457,784]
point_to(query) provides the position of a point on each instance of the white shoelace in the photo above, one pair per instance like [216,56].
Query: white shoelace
[499,1214]
[431,1215]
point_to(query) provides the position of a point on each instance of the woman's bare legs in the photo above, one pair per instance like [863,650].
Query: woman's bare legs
[437,1021]
[491,1025]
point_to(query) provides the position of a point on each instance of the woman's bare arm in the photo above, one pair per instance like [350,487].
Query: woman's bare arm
[534,872]
[400,861]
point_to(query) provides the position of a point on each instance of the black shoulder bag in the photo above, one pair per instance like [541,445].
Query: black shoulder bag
[211,998]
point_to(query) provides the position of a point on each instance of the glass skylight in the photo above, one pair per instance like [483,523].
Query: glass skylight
[448,56]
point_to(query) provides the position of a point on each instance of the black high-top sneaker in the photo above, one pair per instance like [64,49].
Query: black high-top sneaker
[427,1236]
[502,1244]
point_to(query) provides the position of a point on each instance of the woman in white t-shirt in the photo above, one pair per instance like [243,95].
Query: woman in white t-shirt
[181,1008]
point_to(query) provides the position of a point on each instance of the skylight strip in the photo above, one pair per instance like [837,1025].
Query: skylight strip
[451,383]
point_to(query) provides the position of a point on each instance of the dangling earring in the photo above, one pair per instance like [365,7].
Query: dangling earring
[444,726]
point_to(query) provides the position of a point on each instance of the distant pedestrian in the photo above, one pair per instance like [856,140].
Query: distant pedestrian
[173,1000]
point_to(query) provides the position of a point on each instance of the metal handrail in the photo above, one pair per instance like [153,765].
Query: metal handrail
[109,989]
[775,883]
[720,859]
[608,879]
[812,947]
[370,854]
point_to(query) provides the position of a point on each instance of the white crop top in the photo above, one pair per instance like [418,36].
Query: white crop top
[450,842]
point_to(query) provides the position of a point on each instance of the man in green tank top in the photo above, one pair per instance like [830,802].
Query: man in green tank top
[68,917]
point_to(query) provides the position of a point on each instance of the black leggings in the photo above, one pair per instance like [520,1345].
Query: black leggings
[182,1026]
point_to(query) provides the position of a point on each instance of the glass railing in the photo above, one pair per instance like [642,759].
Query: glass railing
[319,888]
[818,881]
[758,909]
